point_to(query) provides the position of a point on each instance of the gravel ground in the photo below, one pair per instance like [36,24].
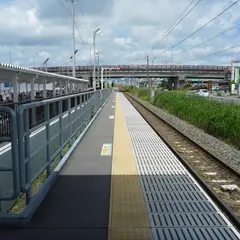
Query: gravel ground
[221,150]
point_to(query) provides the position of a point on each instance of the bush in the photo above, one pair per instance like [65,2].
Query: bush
[218,119]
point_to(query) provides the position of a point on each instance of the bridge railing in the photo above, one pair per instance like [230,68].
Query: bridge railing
[175,67]
[44,150]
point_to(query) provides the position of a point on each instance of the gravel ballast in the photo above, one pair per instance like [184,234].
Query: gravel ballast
[216,147]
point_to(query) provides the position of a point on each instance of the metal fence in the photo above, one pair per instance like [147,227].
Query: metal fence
[41,148]
[36,115]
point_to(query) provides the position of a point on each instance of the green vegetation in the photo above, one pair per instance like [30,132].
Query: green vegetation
[221,120]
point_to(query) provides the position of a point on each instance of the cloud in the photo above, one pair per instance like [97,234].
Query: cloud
[129,29]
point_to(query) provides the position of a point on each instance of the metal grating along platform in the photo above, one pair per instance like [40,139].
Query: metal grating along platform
[177,206]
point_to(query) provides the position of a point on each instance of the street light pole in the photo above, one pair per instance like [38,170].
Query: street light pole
[98,67]
[73,33]
[45,63]
[10,57]
[97,31]
[147,70]
[90,55]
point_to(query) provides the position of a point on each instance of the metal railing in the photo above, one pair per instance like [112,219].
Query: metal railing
[36,115]
[10,166]
[162,67]
[41,149]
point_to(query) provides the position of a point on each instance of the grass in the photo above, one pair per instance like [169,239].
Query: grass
[221,120]
[20,203]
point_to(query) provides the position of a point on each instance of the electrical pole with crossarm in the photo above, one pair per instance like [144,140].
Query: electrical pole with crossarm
[73,36]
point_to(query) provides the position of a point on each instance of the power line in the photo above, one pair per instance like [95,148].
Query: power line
[75,21]
[229,29]
[81,9]
[215,53]
[172,27]
[202,27]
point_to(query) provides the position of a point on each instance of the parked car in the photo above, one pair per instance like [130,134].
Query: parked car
[203,92]
[223,88]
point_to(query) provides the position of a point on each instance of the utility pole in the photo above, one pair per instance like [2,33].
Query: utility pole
[73,37]
[148,76]
[147,70]
[98,68]
[33,62]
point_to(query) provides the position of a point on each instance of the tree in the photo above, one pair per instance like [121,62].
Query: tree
[164,83]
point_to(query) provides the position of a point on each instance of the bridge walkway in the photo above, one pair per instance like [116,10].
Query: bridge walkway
[139,190]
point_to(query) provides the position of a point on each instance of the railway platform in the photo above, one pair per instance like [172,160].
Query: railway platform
[123,182]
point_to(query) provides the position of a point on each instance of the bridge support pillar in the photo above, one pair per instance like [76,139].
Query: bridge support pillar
[54,88]
[15,88]
[45,88]
[60,82]
[175,83]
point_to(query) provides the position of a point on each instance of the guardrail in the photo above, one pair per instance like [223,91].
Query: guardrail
[36,115]
[42,150]
[10,167]
[137,67]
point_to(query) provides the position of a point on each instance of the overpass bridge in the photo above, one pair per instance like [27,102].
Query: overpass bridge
[176,74]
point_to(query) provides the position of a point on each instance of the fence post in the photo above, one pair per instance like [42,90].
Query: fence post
[46,119]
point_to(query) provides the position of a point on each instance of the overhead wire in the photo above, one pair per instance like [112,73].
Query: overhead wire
[215,36]
[173,26]
[215,53]
[219,34]
[75,21]
[203,26]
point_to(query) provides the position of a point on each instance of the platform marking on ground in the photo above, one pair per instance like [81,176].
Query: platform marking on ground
[128,218]
[106,149]
[111,117]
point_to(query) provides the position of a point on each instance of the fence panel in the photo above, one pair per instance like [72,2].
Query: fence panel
[9,165]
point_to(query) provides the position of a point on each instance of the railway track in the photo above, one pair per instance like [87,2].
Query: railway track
[210,172]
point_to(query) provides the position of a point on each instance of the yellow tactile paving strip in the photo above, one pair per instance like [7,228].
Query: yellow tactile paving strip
[127,215]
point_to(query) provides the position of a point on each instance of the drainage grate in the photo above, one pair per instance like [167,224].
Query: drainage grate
[177,179]
[177,207]
[186,220]
[173,196]
[197,233]
[170,187]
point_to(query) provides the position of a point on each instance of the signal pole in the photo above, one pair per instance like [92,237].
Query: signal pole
[73,36]
[148,91]
[147,70]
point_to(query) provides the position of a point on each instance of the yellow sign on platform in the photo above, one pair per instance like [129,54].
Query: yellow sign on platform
[106,149]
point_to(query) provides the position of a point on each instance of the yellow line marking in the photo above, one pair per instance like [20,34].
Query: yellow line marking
[127,216]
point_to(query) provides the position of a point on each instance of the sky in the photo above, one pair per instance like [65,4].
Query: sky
[33,30]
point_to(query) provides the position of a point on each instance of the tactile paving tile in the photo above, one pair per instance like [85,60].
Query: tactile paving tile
[127,214]
[177,206]
[123,233]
